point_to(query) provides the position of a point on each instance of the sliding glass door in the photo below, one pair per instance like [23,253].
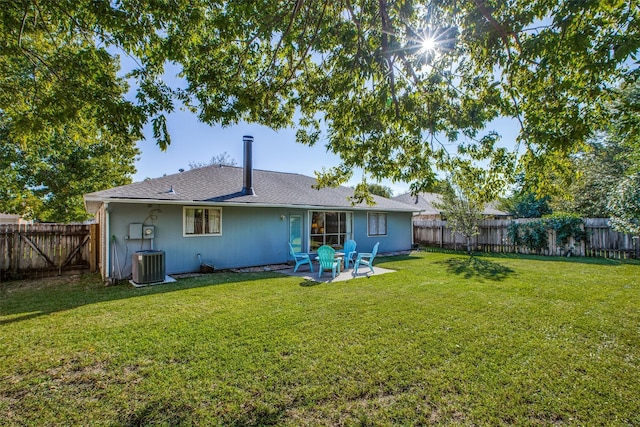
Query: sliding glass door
[330,228]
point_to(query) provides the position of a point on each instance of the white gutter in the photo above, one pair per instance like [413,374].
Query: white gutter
[241,204]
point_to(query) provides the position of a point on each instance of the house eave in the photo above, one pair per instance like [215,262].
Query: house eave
[95,202]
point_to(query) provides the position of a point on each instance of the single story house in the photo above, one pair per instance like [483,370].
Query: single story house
[232,217]
[424,205]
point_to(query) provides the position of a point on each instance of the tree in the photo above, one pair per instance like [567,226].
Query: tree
[606,158]
[395,83]
[624,205]
[528,205]
[393,88]
[45,179]
[462,211]
[223,159]
[465,192]
[380,190]
[65,127]
[523,201]
[598,171]
[625,121]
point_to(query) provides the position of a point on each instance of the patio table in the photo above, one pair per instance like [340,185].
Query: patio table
[338,256]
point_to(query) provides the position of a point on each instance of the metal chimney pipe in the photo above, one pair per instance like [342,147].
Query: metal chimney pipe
[247,187]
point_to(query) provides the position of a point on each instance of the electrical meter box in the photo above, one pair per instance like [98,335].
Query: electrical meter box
[148,231]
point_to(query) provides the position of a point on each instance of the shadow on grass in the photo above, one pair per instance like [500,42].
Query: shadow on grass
[34,298]
[308,283]
[387,258]
[477,267]
[549,258]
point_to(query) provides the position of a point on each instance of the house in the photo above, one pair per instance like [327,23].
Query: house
[424,204]
[13,219]
[235,217]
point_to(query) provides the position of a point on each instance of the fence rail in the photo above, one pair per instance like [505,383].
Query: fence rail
[601,240]
[39,250]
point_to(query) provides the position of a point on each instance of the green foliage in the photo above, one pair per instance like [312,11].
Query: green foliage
[47,178]
[513,233]
[65,126]
[598,169]
[534,235]
[625,121]
[566,226]
[380,190]
[624,205]
[356,78]
[526,204]
[462,209]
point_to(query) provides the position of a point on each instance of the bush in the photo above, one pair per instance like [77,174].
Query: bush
[535,234]
[566,226]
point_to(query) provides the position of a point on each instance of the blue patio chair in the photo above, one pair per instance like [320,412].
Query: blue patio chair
[328,261]
[349,252]
[300,258]
[365,258]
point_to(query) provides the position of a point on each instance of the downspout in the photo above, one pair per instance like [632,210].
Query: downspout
[108,240]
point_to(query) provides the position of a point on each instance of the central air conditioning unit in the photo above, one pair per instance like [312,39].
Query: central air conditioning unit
[148,267]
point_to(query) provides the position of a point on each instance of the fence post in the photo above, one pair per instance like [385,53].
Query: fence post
[93,247]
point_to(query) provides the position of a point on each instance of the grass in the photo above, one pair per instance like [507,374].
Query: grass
[447,339]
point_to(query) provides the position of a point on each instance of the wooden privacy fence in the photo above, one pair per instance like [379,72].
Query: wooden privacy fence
[600,241]
[38,250]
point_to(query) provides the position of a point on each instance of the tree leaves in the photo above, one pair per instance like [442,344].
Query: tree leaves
[624,205]
[353,76]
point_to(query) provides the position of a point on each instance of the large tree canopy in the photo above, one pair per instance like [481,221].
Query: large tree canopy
[396,88]
[65,127]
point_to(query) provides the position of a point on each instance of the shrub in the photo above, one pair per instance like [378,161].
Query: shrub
[566,226]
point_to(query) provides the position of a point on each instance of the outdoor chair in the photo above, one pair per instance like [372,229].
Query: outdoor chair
[328,261]
[300,258]
[349,252]
[365,258]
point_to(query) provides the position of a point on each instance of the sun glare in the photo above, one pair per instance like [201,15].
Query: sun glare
[428,44]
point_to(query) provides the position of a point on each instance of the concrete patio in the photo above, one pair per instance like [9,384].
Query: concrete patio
[304,273]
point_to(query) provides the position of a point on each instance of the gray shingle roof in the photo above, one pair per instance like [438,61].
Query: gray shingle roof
[424,203]
[223,185]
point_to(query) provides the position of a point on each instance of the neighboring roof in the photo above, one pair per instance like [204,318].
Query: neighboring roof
[222,185]
[424,203]
[13,219]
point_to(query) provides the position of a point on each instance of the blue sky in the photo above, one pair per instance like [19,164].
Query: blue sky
[193,141]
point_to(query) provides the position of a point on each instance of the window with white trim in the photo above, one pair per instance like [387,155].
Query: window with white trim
[200,221]
[377,224]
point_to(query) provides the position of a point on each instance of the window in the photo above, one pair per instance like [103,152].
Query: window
[377,224]
[202,221]
[330,228]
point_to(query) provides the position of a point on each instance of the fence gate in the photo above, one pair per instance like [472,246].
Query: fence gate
[39,250]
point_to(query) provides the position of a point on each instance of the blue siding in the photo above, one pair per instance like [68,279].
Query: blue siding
[250,236]
[398,237]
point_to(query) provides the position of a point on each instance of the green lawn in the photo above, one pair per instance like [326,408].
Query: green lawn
[444,340]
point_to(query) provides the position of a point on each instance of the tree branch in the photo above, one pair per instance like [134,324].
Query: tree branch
[387,29]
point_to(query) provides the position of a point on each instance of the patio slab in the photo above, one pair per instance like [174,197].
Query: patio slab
[304,273]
